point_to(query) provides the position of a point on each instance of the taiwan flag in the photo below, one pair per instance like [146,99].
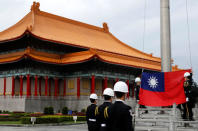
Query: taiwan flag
[162,88]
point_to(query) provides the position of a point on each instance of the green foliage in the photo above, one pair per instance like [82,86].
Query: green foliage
[10,122]
[6,116]
[5,112]
[13,116]
[19,115]
[48,110]
[65,111]
[51,110]
[47,120]
[83,110]
[51,119]
[81,118]
[9,119]
[25,120]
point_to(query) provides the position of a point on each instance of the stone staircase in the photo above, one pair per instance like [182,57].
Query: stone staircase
[163,119]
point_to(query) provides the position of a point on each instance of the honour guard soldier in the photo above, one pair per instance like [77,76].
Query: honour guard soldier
[137,90]
[119,114]
[187,107]
[91,114]
[108,95]
[137,87]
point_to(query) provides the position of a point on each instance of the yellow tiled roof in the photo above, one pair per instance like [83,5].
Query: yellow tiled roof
[57,29]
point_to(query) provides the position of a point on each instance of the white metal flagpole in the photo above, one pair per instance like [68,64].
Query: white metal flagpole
[165,36]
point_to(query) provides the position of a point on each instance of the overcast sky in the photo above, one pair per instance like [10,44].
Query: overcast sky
[125,19]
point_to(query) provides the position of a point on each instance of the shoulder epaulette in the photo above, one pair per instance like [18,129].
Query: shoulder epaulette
[106,113]
[96,111]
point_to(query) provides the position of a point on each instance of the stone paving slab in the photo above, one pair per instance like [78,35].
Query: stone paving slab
[80,127]
[153,128]
[187,129]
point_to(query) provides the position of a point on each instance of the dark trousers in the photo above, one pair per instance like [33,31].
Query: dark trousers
[93,126]
[103,129]
[187,112]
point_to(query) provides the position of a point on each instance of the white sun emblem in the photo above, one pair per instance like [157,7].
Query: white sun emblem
[153,82]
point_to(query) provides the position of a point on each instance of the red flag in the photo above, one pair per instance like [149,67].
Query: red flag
[162,88]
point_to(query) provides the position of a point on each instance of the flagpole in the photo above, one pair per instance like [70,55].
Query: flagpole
[165,36]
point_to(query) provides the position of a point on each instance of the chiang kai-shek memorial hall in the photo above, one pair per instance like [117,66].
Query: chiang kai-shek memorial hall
[48,60]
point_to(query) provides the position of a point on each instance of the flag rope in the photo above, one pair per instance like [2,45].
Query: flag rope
[144,28]
[188,34]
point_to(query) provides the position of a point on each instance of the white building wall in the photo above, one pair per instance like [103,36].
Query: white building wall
[12,104]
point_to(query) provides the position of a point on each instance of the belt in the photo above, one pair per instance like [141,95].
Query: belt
[103,125]
[94,120]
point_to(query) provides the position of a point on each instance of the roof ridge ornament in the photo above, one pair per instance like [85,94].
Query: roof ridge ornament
[29,28]
[105,27]
[35,7]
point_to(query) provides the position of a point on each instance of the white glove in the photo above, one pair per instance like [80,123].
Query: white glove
[187,99]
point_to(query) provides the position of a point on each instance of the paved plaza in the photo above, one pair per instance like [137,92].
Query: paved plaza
[81,127]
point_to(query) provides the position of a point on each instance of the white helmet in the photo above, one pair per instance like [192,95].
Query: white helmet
[137,79]
[186,74]
[93,96]
[121,86]
[108,92]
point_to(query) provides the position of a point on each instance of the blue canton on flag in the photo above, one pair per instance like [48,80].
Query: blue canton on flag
[153,81]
